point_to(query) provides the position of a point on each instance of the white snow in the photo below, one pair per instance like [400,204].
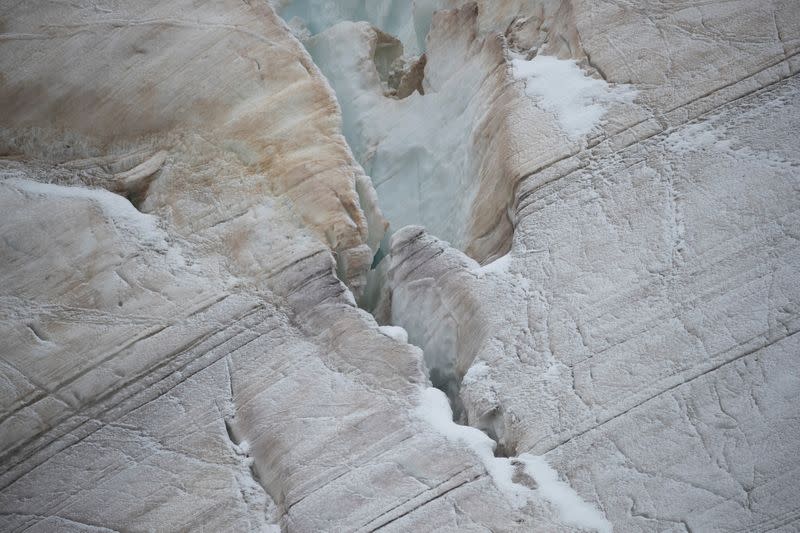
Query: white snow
[116,207]
[434,409]
[498,266]
[560,86]
[476,372]
[395,332]
[572,509]
[243,448]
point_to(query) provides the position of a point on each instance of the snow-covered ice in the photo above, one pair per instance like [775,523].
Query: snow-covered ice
[434,408]
[561,87]
[395,332]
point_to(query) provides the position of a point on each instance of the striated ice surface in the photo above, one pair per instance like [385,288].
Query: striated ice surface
[430,265]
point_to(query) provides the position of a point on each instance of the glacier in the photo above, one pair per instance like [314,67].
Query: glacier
[430,265]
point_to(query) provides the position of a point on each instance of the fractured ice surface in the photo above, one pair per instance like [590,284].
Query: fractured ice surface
[605,288]
[648,301]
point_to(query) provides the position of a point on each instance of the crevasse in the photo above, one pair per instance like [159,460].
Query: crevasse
[417,149]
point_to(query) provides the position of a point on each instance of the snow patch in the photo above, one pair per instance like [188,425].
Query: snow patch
[476,373]
[498,266]
[115,207]
[572,509]
[434,409]
[396,332]
[243,448]
[560,86]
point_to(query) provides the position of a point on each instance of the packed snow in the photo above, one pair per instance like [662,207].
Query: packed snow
[577,100]
[116,207]
[476,372]
[435,409]
[571,508]
[395,332]
[498,266]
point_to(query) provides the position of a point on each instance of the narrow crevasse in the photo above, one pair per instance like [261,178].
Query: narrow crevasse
[436,296]
[422,124]
[253,490]
[430,128]
[407,118]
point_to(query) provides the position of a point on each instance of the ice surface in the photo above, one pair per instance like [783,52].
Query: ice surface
[632,353]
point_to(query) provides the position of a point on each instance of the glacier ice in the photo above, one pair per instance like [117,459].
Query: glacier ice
[577,220]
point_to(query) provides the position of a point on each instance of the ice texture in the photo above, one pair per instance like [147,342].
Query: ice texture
[591,322]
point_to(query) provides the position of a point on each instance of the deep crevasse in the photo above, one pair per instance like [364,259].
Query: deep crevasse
[416,151]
